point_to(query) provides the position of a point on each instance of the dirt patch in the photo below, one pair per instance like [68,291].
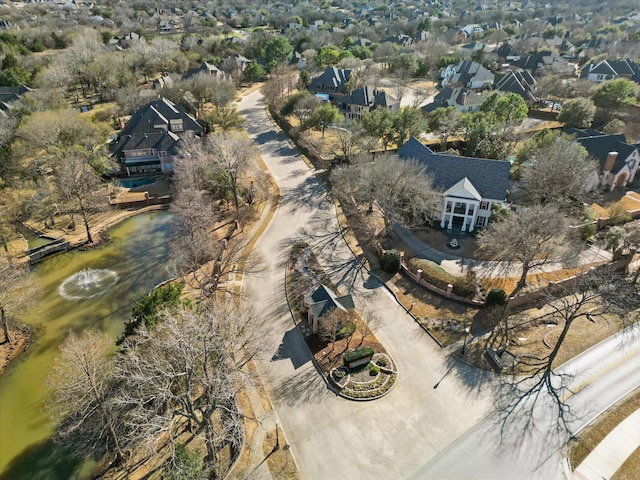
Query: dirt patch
[433,311]
[536,332]
[280,461]
[21,338]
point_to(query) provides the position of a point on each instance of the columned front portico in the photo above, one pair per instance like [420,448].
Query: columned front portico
[460,206]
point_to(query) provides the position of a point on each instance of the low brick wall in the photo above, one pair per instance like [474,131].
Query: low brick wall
[438,291]
[551,289]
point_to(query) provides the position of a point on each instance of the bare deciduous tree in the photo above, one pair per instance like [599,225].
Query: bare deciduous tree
[331,323]
[79,186]
[232,153]
[79,55]
[223,94]
[206,246]
[82,397]
[594,296]
[280,84]
[165,55]
[128,100]
[544,183]
[186,372]
[195,244]
[57,129]
[17,292]
[11,210]
[534,237]
[444,121]
[353,140]
[401,189]
[304,107]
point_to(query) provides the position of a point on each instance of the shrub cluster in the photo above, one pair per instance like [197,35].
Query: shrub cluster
[390,261]
[340,372]
[347,330]
[439,277]
[497,296]
[357,354]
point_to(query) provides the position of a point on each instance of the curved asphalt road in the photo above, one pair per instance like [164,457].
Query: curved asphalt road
[331,437]
[416,430]
[601,376]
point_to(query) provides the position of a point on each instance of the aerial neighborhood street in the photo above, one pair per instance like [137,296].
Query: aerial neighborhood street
[416,431]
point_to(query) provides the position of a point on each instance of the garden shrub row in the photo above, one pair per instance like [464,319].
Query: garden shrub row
[357,354]
[432,273]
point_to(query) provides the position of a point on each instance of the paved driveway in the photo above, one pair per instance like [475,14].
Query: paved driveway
[330,437]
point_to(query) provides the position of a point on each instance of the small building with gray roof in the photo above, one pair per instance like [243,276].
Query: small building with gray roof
[322,302]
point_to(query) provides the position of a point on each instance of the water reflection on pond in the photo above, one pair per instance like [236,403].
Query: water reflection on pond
[99,290]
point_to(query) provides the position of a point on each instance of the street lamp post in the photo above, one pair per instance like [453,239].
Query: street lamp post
[464,344]
[277,447]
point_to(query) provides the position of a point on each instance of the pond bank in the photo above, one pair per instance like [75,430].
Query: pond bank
[137,257]
[22,335]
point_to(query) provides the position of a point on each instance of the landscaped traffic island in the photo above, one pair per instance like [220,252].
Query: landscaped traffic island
[367,380]
[351,358]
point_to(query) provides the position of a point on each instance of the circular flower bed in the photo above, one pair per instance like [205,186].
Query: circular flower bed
[366,382]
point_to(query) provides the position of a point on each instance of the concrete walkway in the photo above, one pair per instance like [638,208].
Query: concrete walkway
[460,265]
[612,451]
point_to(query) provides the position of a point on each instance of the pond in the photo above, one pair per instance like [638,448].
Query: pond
[91,289]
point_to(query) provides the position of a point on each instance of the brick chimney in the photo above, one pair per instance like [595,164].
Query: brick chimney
[611,159]
[464,98]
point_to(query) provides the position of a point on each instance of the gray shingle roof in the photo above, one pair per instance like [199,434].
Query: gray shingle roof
[161,141]
[332,77]
[490,177]
[204,69]
[506,50]
[520,82]
[323,300]
[467,71]
[599,145]
[541,59]
[625,68]
[152,121]
[369,97]
[457,96]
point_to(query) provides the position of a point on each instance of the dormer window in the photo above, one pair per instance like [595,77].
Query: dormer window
[176,125]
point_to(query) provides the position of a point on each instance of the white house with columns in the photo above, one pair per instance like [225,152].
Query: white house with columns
[471,185]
